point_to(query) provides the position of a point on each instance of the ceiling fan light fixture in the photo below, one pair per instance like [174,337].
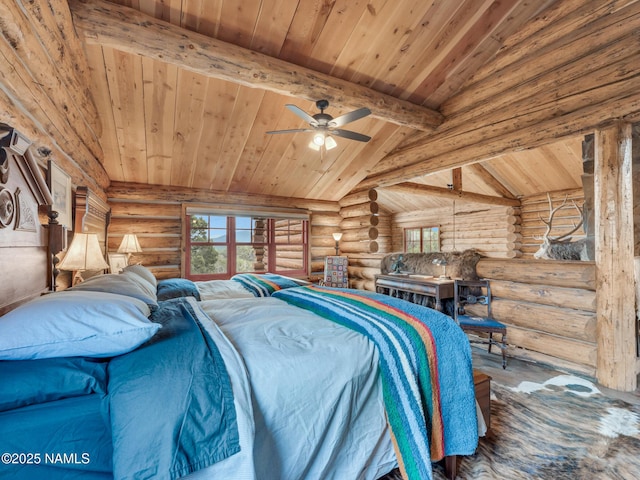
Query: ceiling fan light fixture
[329,142]
[313,146]
[323,124]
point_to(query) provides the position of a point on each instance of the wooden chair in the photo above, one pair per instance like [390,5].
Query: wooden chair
[478,292]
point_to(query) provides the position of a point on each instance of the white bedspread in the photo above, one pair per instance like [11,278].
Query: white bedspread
[219,289]
[315,391]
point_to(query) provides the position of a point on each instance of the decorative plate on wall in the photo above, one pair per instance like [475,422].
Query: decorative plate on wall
[7,208]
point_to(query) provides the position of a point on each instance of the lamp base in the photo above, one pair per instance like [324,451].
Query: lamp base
[77,278]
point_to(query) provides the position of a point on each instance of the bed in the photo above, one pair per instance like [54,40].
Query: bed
[258,377]
[299,384]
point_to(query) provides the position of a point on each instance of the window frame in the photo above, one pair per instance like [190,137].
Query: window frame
[232,245]
[422,242]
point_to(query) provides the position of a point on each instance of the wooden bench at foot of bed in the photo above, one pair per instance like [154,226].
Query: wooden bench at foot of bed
[482,384]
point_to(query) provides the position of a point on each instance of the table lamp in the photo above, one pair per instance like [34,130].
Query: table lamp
[443,263]
[83,254]
[129,245]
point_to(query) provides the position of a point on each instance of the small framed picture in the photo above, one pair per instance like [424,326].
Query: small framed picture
[60,186]
[117,262]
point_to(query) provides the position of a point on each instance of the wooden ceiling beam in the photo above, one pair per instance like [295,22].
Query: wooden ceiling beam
[420,189]
[491,181]
[565,89]
[176,194]
[129,30]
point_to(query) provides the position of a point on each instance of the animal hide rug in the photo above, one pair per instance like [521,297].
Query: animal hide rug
[562,429]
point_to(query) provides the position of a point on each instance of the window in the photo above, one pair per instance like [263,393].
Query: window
[422,240]
[220,246]
[208,245]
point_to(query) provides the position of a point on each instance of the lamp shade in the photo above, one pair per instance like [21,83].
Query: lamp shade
[329,143]
[84,254]
[337,236]
[129,244]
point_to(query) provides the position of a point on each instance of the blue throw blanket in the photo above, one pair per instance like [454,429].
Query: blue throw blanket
[171,403]
[263,285]
[425,364]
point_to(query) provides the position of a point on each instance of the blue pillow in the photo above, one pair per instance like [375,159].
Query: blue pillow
[27,382]
[176,288]
[75,324]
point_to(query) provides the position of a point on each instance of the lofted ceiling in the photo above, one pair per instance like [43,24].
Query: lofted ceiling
[166,124]
[491,96]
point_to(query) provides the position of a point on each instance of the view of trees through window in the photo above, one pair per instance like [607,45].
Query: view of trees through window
[422,240]
[220,246]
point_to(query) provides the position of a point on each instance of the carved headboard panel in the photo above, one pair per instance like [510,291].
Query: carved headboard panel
[91,215]
[23,240]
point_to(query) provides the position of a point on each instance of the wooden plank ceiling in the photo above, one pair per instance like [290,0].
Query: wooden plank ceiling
[171,123]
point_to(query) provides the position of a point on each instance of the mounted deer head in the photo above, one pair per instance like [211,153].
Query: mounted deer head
[561,247]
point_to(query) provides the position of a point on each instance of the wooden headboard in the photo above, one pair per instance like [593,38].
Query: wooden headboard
[91,215]
[23,238]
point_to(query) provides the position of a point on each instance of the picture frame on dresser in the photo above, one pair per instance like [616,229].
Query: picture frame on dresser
[59,183]
[117,262]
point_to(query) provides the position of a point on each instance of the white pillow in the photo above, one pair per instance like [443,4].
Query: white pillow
[130,285]
[151,289]
[143,272]
[75,323]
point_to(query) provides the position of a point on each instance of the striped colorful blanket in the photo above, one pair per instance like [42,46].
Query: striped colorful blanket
[263,285]
[425,365]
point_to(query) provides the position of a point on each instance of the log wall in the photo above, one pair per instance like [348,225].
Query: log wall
[323,225]
[366,237]
[363,268]
[549,308]
[494,231]
[154,214]
[158,226]
[361,225]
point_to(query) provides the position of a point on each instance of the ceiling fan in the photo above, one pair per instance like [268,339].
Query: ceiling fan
[324,125]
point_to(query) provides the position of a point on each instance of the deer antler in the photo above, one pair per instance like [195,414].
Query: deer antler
[552,212]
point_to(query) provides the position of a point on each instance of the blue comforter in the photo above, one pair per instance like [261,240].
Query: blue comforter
[171,402]
[161,411]
[176,288]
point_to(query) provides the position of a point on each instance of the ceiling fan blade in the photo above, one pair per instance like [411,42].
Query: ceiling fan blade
[294,130]
[302,114]
[350,117]
[351,135]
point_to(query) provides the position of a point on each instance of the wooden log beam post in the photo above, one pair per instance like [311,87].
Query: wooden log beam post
[420,189]
[615,292]
[128,30]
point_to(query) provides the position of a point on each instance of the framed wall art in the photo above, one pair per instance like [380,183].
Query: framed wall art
[117,262]
[60,185]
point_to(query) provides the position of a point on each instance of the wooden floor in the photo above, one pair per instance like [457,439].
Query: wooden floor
[520,370]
